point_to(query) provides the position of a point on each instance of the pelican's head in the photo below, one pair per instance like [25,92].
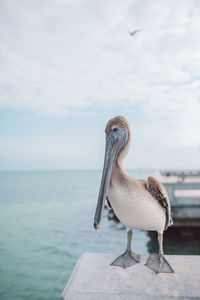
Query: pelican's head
[117,141]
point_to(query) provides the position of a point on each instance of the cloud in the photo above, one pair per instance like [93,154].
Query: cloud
[60,57]
[57,56]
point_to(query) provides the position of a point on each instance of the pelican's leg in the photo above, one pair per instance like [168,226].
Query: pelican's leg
[158,263]
[128,258]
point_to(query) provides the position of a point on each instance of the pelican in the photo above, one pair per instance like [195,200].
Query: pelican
[138,204]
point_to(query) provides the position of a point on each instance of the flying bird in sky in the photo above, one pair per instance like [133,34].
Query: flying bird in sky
[134,32]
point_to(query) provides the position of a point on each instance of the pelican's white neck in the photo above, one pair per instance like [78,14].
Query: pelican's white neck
[118,171]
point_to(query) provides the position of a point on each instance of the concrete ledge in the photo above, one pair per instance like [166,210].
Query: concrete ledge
[94,278]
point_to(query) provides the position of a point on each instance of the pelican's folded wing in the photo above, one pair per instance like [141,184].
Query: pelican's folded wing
[159,192]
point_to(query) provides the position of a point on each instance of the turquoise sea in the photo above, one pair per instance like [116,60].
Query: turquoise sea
[46,223]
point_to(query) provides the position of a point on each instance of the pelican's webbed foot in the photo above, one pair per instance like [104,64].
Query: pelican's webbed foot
[158,264]
[127,259]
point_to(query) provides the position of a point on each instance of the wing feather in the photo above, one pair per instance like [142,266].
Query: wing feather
[159,192]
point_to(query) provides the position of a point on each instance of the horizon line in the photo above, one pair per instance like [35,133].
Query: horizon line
[95,169]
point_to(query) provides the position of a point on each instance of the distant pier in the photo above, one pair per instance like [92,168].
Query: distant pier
[184,191]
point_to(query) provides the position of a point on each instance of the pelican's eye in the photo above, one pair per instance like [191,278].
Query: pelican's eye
[115,129]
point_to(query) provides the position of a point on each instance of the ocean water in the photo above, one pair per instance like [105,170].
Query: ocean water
[46,223]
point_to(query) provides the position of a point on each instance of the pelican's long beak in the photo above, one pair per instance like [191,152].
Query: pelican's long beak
[114,143]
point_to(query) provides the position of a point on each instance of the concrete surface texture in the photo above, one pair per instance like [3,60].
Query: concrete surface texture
[94,278]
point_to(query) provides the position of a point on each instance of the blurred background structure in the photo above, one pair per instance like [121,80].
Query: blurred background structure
[67,67]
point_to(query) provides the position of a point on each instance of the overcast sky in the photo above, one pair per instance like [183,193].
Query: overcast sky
[68,66]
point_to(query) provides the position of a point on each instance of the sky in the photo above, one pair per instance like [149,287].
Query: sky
[68,66]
